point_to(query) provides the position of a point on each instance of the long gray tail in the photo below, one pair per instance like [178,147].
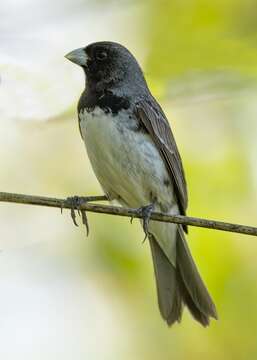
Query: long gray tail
[181,285]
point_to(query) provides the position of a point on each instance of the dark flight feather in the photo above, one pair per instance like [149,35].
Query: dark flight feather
[156,123]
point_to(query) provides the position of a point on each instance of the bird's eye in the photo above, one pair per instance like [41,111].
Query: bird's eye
[101,55]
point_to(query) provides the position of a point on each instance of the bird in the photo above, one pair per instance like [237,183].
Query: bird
[135,158]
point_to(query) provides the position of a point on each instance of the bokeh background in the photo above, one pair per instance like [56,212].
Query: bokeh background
[65,296]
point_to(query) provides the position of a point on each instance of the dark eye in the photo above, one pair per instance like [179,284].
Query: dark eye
[101,55]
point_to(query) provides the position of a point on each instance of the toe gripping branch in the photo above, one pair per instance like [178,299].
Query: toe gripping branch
[75,203]
[145,212]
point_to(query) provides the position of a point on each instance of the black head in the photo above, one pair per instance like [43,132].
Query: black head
[107,64]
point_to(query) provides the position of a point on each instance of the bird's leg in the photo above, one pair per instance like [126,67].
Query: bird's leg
[145,212]
[75,203]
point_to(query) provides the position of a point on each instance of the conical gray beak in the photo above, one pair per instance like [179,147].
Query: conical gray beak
[78,56]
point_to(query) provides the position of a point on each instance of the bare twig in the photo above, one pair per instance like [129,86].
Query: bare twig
[115,210]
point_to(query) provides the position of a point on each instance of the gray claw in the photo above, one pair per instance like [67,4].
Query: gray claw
[145,212]
[75,203]
[85,220]
[73,216]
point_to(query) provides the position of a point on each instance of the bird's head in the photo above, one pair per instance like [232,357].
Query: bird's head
[107,64]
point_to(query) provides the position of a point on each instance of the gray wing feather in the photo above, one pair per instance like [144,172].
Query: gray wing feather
[154,120]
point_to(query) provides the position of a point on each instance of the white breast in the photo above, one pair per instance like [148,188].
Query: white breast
[126,163]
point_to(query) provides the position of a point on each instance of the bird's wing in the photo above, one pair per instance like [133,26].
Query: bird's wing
[155,122]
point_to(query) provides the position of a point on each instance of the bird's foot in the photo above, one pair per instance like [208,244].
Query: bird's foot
[145,212]
[75,203]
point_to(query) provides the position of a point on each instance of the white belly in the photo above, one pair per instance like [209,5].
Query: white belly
[126,163]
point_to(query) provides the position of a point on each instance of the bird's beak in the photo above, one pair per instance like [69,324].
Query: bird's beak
[78,56]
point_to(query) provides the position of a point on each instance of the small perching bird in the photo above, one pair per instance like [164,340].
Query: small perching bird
[136,160]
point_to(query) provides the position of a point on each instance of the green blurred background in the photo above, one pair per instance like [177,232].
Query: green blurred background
[65,296]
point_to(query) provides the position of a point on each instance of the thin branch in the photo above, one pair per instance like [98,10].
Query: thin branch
[115,210]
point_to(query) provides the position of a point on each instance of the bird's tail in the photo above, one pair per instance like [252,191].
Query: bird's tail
[181,285]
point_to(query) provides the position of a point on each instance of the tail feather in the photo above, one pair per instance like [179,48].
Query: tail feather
[187,300]
[169,296]
[180,285]
[191,279]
